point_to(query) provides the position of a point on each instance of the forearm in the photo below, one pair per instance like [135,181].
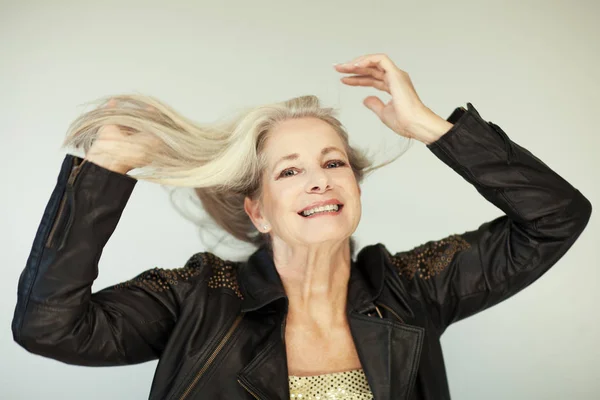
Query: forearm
[57,315]
[464,274]
[506,174]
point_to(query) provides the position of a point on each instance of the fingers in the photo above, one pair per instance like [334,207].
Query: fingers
[380,61]
[375,70]
[380,66]
[352,69]
[366,81]
[365,77]
[375,104]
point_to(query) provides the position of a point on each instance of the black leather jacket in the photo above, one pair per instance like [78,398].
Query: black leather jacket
[217,326]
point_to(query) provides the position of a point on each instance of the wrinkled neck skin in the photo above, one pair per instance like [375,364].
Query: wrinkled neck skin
[315,278]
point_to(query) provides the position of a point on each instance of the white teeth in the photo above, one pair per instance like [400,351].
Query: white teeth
[331,207]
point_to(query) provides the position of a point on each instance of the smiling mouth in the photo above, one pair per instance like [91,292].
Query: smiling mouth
[327,210]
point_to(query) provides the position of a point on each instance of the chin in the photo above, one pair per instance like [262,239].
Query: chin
[326,235]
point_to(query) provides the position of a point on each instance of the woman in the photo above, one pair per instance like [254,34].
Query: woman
[301,318]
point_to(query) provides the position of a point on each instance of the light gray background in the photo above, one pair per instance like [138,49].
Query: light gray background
[530,67]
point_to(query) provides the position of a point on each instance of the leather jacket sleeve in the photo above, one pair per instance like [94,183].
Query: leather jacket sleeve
[460,275]
[57,315]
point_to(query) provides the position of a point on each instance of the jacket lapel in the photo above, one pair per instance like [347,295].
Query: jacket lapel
[388,350]
[266,376]
[389,354]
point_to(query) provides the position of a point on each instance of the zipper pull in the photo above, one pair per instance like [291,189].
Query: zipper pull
[75,172]
[371,311]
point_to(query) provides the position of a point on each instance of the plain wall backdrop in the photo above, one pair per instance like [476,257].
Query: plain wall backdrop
[529,66]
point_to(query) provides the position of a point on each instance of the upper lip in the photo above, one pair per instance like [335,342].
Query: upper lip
[321,204]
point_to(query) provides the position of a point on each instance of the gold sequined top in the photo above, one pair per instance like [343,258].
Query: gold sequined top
[350,385]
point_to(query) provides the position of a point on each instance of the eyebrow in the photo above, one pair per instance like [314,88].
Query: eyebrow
[294,156]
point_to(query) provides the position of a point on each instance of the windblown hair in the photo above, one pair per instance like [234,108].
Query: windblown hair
[222,161]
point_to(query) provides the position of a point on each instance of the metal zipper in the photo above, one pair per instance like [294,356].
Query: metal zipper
[75,172]
[61,209]
[248,390]
[212,357]
[391,310]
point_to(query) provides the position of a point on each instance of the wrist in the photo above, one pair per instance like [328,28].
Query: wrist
[108,164]
[429,127]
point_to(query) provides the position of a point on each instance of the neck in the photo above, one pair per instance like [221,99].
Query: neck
[315,279]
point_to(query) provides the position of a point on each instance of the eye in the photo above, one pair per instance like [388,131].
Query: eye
[292,171]
[285,174]
[339,163]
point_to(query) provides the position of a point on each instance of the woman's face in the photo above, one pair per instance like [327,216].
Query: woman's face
[310,193]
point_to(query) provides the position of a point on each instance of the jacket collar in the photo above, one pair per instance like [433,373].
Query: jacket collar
[389,352]
[389,355]
[261,285]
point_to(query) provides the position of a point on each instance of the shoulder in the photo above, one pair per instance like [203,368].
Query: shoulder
[202,269]
[217,272]
[428,259]
[413,276]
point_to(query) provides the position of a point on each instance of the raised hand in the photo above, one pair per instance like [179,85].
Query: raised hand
[405,113]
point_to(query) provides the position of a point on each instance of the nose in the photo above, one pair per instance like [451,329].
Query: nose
[318,182]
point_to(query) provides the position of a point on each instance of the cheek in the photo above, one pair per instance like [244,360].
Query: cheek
[350,184]
[354,192]
[281,200]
